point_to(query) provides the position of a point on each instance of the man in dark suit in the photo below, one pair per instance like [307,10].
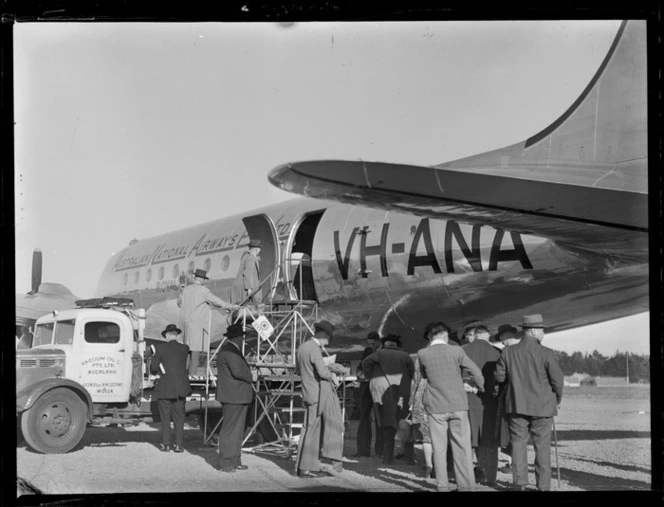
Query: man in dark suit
[366,405]
[533,392]
[234,392]
[482,407]
[323,410]
[170,361]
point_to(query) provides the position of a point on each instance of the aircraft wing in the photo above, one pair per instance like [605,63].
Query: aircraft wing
[581,181]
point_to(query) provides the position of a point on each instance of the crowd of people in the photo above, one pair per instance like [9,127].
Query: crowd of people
[479,394]
[464,398]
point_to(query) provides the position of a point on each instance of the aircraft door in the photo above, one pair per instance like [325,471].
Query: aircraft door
[262,227]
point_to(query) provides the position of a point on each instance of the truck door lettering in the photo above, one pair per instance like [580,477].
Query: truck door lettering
[380,249]
[518,253]
[472,255]
[414,260]
[343,265]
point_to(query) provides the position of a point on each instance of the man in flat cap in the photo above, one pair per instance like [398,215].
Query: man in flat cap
[170,362]
[534,389]
[246,286]
[195,301]
[322,404]
[234,392]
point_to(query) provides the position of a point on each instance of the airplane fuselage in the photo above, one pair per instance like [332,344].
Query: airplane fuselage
[382,270]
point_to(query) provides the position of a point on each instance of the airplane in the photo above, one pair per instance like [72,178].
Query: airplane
[556,224]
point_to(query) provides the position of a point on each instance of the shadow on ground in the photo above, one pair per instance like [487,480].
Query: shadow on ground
[600,434]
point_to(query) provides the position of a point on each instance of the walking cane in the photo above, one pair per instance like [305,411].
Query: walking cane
[555,442]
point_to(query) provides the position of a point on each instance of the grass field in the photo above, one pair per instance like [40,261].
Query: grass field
[604,438]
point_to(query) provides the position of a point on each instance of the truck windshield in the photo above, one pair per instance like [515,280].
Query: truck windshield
[43,334]
[64,332]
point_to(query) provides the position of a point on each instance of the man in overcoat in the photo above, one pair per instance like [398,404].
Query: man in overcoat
[482,406]
[534,390]
[246,286]
[323,410]
[195,302]
[234,392]
[170,362]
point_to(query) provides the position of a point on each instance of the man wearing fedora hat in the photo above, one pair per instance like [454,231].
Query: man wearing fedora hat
[170,361]
[247,284]
[195,301]
[323,411]
[234,392]
[533,391]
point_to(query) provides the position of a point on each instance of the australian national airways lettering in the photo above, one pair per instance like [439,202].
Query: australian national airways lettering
[422,238]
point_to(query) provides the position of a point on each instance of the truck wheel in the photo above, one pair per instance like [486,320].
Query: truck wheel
[55,423]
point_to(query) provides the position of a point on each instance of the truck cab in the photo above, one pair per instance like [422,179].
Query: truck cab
[79,357]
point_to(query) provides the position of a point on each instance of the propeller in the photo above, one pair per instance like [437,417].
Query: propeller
[36,270]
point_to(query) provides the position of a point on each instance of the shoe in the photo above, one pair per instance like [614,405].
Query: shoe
[241,467]
[164,447]
[331,470]
[400,455]
[307,474]
[228,470]
[505,469]
[177,448]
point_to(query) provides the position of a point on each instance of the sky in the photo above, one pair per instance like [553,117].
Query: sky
[129,130]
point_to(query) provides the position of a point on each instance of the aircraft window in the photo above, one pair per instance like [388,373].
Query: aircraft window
[102,332]
[207,264]
[43,334]
[64,332]
[148,275]
[176,271]
[225,262]
[137,276]
[161,273]
[125,279]
[192,267]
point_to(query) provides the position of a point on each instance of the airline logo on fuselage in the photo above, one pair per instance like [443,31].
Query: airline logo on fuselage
[454,238]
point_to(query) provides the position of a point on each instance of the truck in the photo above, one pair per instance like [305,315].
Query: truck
[87,365]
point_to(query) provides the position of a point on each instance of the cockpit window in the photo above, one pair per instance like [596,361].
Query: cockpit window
[102,332]
[43,334]
[64,332]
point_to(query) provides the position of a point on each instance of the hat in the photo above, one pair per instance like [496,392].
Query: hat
[201,273]
[504,328]
[391,338]
[325,326]
[170,329]
[373,335]
[255,243]
[534,320]
[471,324]
[234,331]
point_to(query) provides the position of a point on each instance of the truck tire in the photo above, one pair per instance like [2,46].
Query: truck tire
[55,423]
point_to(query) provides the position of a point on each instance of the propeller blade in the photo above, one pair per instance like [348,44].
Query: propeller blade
[36,269]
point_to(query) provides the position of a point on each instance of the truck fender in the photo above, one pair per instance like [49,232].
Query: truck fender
[26,398]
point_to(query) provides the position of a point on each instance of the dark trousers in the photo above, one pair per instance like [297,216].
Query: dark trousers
[329,425]
[539,428]
[231,434]
[364,426]
[171,409]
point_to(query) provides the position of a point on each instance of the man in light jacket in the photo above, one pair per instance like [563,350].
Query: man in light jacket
[446,403]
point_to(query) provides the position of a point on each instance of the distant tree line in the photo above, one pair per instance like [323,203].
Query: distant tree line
[596,364]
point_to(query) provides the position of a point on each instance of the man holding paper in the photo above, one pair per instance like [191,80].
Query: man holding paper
[170,361]
[320,399]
